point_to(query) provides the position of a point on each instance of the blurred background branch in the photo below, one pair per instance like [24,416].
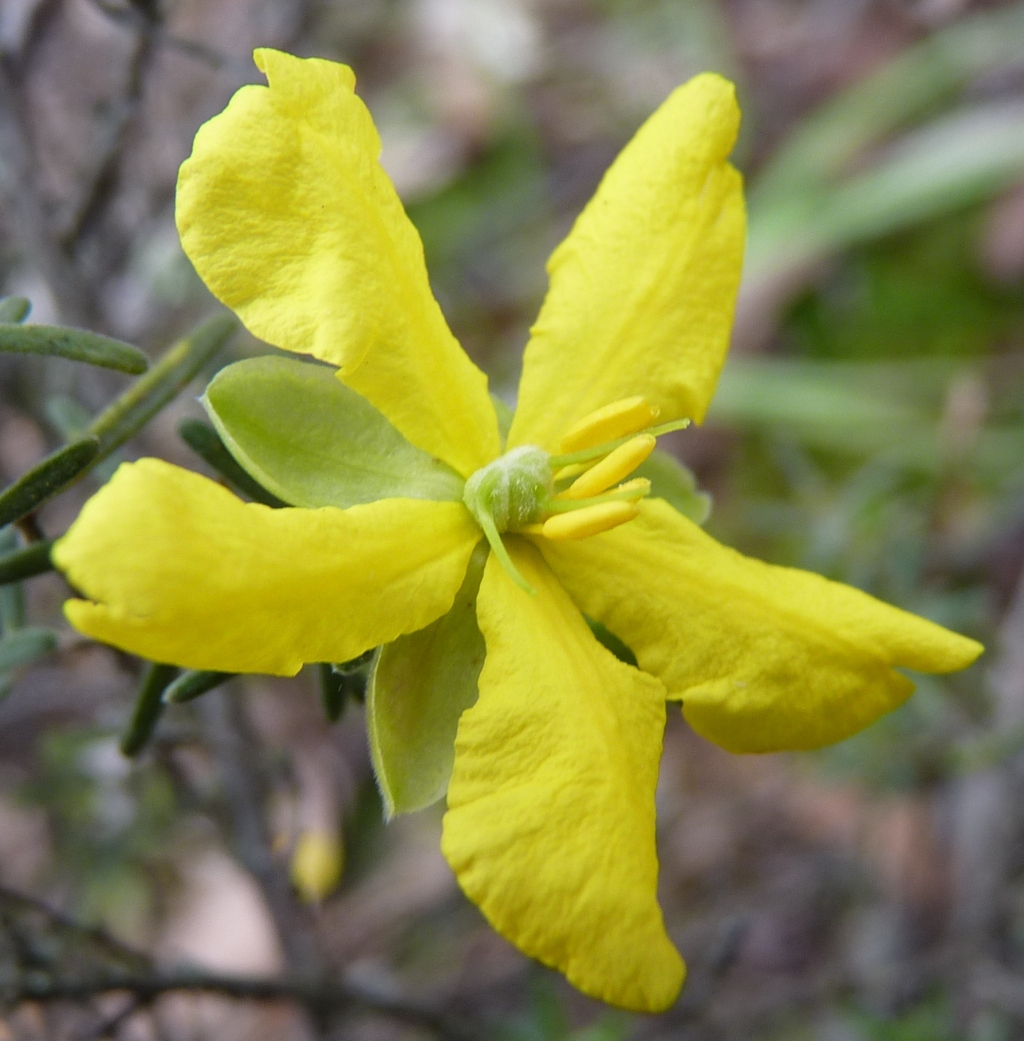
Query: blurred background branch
[869,425]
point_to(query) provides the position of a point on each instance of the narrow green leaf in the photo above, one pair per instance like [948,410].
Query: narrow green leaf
[673,482]
[609,640]
[193,683]
[24,646]
[71,420]
[32,560]
[47,478]
[312,441]
[14,309]
[149,706]
[75,344]
[206,443]
[165,380]
[333,691]
[12,597]
[419,688]
[920,80]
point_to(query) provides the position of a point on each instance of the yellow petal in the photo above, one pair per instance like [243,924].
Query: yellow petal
[289,218]
[643,289]
[178,570]
[764,658]
[550,823]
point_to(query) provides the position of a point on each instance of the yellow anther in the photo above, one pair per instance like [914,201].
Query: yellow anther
[571,471]
[639,486]
[590,520]
[620,463]
[606,424]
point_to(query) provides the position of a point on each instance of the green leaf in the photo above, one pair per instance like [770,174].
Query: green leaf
[149,706]
[25,563]
[14,309]
[47,478]
[24,646]
[206,443]
[76,344]
[192,684]
[71,420]
[422,683]
[175,369]
[674,483]
[312,441]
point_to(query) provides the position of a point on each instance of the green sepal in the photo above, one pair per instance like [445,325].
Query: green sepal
[14,309]
[149,707]
[311,441]
[206,443]
[421,685]
[76,344]
[675,483]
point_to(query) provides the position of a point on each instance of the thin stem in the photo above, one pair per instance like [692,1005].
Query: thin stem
[568,505]
[486,522]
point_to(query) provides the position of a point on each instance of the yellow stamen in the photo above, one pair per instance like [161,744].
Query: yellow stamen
[591,520]
[571,471]
[620,463]
[606,424]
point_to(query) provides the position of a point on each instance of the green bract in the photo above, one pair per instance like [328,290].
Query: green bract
[674,483]
[313,442]
[420,687]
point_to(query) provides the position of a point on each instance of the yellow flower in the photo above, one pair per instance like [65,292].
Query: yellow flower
[550,781]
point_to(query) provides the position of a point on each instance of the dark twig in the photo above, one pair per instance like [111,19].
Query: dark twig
[109,944]
[325,997]
[245,793]
[17,183]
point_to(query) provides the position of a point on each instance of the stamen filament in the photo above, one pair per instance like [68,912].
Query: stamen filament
[631,491]
[556,462]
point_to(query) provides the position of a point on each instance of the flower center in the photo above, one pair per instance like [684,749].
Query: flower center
[526,489]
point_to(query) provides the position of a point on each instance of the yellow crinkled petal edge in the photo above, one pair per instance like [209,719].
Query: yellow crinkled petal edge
[644,287]
[290,220]
[550,826]
[179,570]
[764,658]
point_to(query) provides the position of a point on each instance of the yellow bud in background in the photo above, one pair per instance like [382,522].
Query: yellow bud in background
[317,864]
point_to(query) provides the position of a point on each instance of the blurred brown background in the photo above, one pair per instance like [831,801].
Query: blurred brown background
[870,426]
